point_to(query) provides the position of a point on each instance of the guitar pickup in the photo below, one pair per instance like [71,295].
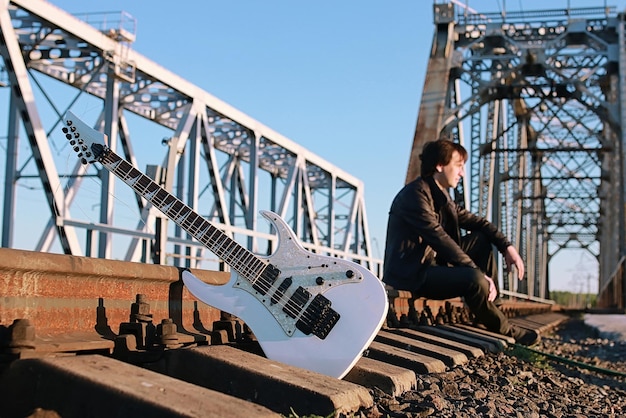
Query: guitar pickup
[266,280]
[280,292]
[296,302]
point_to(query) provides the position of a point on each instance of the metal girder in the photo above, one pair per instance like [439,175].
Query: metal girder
[22,98]
[219,161]
[541,95]
[435,93]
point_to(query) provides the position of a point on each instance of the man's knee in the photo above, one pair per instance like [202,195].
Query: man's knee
[478,282]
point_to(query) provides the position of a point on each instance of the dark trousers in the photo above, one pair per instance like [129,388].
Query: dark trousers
[443,282]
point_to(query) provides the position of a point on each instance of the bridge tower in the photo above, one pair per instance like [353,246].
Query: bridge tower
[219,161]
[538,99]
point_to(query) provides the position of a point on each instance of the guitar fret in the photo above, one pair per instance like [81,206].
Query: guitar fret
[142,185]
[151,190]
[236,254]
[192,219]
[209,240]
[157,200]
[195,224]
[254,262]
[132,181]
[132,173]
[178,216]
[229,248]
[201,233]
[183,217]
[219,241]
[167,203]
[192,228]
[222,249]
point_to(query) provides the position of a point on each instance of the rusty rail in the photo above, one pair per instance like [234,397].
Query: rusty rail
[62,300]
[405,309]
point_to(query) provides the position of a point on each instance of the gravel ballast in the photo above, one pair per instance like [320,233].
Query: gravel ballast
[581,375]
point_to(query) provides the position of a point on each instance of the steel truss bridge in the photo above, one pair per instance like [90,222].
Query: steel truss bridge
[536,97]
[538,100]
[219,161]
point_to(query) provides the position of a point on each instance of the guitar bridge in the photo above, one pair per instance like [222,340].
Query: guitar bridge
[318,318]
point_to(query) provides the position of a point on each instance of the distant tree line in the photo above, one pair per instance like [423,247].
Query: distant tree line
[574,300]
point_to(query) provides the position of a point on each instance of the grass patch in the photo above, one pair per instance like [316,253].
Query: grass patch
[293,414]
[529,356]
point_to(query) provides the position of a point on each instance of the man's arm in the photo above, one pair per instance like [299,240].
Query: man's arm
[512,258]
[471,222]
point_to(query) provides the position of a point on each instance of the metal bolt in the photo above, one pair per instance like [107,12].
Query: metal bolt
[167,331]
[167,327]
[140,310]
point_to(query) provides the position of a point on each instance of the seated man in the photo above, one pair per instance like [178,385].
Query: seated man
[426,254]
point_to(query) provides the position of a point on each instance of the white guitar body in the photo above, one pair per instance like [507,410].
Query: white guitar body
[307,310]
[362,306]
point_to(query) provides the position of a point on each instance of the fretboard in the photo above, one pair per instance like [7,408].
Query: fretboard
[237,257]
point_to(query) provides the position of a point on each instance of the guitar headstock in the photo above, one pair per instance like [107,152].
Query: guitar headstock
[88,143]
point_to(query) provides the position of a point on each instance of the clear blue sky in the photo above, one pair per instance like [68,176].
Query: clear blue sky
[341,78]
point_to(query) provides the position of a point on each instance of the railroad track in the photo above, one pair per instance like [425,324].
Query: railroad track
[89,337]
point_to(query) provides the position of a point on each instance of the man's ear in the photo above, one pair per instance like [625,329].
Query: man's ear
[439,168]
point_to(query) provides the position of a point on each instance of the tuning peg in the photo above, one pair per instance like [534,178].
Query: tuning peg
[69,123]
[67,134]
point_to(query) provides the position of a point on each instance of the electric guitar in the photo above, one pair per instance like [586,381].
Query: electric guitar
[307,310]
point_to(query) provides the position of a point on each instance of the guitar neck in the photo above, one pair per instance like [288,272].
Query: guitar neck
[233,254]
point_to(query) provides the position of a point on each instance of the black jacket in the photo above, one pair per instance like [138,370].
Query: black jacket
[424,229]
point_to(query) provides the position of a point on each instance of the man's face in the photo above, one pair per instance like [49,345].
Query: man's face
[449,175]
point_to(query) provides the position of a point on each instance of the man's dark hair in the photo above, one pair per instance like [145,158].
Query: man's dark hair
[439,153]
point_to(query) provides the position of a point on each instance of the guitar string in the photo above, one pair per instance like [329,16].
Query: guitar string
[286,304]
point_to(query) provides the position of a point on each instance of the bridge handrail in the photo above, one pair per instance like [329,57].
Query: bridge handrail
[527,297]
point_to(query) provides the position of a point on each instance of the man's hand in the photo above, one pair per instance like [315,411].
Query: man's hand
[493,292]
[512,258]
